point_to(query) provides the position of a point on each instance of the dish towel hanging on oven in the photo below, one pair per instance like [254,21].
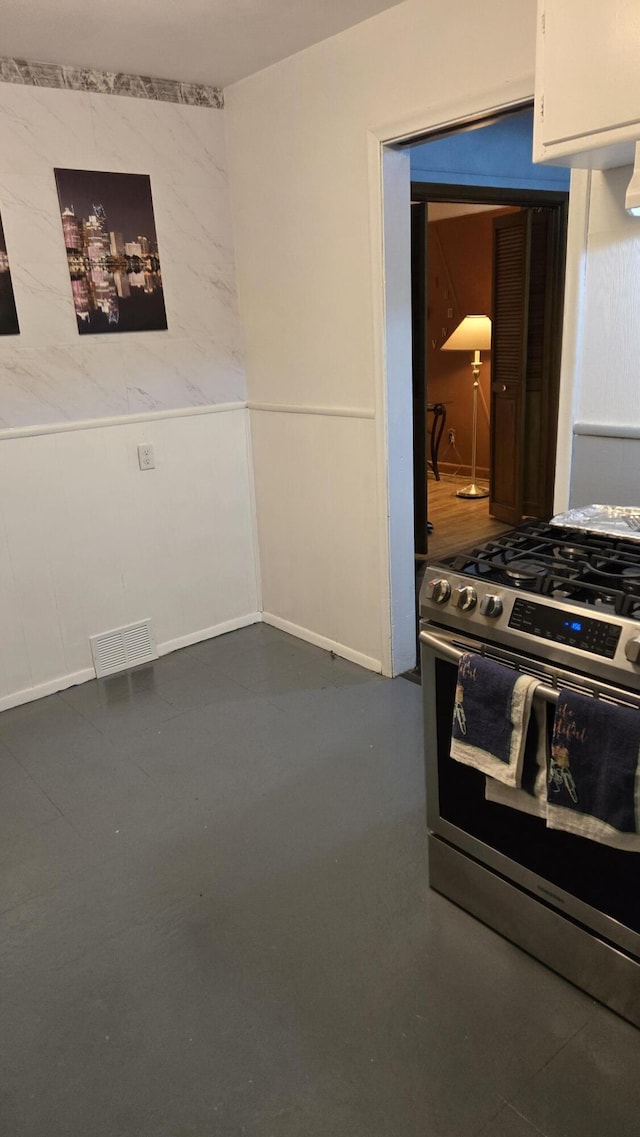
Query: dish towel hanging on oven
[594,771]
[491,718]
[532,796]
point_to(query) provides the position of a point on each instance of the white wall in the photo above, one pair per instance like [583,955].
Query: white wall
[87,541]
[609,388]
[302,179]
[605,415]
[317,531]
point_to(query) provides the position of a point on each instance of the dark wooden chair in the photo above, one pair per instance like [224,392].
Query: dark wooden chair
[439,412]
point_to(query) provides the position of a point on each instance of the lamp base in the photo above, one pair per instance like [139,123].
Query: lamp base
[473,490]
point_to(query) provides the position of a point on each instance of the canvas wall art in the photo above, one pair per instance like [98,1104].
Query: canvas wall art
[8,314]
[112,251]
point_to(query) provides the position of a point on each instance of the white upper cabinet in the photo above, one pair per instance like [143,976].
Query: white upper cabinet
[587,111]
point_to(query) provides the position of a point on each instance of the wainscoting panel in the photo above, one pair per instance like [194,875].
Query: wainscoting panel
[605,468]
[89,542]
[317,526]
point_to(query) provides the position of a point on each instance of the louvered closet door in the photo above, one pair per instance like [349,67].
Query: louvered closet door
[511,245]
[539,445]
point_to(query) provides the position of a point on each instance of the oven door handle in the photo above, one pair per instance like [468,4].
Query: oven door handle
[454,654]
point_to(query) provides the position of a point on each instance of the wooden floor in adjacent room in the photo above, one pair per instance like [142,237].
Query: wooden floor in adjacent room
[458,523]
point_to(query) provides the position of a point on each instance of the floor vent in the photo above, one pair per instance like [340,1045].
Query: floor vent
[123,648]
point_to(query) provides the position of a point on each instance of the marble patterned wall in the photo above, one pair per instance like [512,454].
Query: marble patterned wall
[47,373]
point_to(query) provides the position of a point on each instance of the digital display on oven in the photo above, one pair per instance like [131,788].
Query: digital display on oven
[595,636]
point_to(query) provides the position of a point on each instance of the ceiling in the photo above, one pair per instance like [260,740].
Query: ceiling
[200,41]
[442,210]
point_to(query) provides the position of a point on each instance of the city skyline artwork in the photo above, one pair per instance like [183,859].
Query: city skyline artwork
[112,251]
[8,315]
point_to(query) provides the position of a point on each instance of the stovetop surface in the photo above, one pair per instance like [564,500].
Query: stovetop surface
[570,566]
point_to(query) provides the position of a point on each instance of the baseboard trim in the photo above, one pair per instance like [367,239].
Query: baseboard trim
[460,471]
[209,633]
[342,650]
[62,682]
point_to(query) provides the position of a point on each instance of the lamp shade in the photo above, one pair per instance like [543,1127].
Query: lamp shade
[472,334]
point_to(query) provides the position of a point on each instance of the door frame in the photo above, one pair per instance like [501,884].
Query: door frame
[389,183]
[428,192]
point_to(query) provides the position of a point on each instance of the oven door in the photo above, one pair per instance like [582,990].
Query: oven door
[596,886]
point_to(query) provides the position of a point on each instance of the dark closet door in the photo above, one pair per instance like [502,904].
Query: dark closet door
[527,315]
[511,258]
[543,362]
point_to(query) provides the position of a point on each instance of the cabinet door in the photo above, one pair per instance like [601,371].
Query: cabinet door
[587,82]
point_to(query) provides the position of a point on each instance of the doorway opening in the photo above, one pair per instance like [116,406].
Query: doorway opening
[487,149]
[488,242]
[499,254]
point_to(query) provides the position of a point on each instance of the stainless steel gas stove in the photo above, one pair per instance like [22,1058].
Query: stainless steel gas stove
[564,605]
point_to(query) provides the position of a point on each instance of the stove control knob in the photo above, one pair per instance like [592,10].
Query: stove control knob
[438,590]
[491,605]
[632,650]
[464,598]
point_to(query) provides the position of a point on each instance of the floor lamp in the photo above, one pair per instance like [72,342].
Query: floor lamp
[473,334]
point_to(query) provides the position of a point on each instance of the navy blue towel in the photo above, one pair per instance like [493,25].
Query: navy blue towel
[491,717]
[594,776]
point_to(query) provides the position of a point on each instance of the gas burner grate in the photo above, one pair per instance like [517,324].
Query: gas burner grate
[536,557]
[580,591]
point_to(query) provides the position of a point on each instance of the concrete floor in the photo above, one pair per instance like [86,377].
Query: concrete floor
[216,921]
